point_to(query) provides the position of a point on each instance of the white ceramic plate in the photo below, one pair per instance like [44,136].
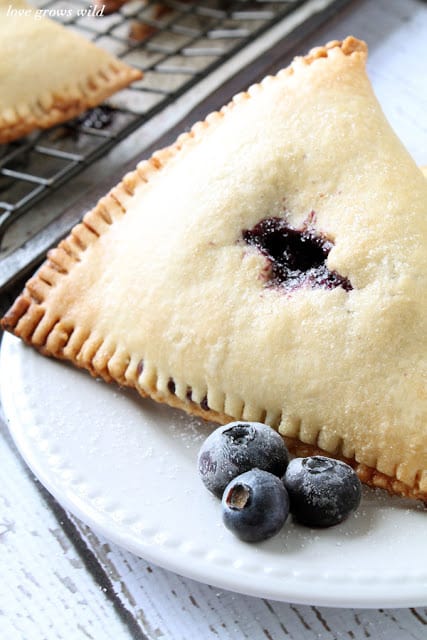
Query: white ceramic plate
[127,467]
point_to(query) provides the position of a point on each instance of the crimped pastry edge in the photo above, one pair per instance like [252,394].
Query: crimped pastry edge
[26,316]
[367,475]
[90,92]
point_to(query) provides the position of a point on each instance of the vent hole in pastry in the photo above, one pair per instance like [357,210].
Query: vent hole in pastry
[297,257]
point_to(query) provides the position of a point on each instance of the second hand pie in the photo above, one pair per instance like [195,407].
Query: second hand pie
[48,73]
[271,265]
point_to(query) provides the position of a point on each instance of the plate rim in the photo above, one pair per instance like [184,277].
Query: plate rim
[299,591]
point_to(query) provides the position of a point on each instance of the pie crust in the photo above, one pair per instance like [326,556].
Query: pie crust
[49,74]
[157,289]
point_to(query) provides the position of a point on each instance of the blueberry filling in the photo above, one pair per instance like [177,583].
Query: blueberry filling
[140,368]
[297,257]
[97,118]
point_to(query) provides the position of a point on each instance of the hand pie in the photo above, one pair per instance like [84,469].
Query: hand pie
[271,265]
[48,73]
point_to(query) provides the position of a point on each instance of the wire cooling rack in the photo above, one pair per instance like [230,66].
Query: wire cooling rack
[176,43]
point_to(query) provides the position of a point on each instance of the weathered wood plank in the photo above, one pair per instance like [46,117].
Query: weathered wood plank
[45,589]
[166,603]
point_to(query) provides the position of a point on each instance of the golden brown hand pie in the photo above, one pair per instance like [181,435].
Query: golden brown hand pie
[271,265]
[49,74]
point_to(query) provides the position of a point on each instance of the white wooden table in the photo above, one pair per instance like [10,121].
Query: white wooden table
[61,581]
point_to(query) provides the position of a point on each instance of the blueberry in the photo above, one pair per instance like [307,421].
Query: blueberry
[255,505]
[322,491]
[238,447]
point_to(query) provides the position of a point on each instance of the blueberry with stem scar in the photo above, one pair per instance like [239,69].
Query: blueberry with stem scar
[255,505]
[322,491]
[238,447]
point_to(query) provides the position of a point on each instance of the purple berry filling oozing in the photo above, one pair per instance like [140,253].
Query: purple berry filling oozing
[297,257]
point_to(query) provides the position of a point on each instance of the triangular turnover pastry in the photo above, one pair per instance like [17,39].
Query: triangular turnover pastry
[48,73]
[271,265]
